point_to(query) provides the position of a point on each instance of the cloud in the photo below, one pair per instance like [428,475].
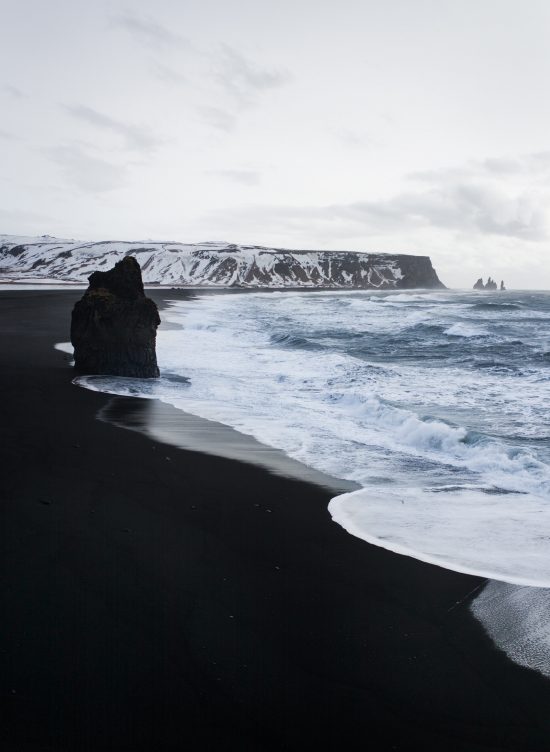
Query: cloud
[524,165]
[20,217]
[88,173]
[13,91]
[147,30]
[491,198]
[461,207]
[245,177]
[137,138]
[217,118]
[168,75]
[504,196]
[7,136]
[244,79]
[355,139]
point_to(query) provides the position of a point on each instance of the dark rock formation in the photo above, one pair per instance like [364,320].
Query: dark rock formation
[490,284]
[114,326]
[502,285]
[417,271]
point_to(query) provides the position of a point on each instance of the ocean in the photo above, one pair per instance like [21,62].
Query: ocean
[434,403]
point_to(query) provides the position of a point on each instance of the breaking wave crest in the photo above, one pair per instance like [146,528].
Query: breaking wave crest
[497,307]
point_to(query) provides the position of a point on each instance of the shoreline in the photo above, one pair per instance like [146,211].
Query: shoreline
[156,604]
[169,425]
[165,423]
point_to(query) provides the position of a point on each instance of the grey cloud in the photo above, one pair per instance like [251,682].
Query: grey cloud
[7,136]
[467,209]
[355,139]
[138,138]
[526,164]
[440,175]
[501,166]
[168,75]
[537,163]
[20,218]
[458,207]
[146,29]
[309,226]
[88,173]
[217,118]
[494,196]
[245,177]
[13,91]
[245,79]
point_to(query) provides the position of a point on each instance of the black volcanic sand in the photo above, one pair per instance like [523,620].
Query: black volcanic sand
[161,599]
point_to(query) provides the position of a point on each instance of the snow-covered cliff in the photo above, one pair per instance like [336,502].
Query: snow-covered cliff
[212,264]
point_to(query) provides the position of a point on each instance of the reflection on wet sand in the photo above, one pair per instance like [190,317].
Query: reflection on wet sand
[167,424]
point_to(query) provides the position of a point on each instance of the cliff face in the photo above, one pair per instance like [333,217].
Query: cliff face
[113,326]
[215,264]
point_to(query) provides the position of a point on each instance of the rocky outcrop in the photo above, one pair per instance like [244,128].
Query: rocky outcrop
[114,326]
[213,264]
[489,285]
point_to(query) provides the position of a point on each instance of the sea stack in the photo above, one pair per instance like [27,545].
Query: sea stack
[490,284]
[114,326]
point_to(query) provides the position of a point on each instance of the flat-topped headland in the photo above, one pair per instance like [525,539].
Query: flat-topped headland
[215,264]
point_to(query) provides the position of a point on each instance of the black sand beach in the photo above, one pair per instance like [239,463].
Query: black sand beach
[161,599]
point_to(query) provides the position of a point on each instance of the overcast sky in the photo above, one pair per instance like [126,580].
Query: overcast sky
[417,126]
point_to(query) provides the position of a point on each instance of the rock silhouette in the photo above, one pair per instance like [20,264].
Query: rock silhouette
[490,284]
[114,326]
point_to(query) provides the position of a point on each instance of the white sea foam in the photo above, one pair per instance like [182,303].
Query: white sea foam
[65,347]
[461,329]
[417,297]
[471,530]
[518,620]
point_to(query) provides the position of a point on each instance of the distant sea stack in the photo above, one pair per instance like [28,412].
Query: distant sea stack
[114,326]
[214,264]
[489,285]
